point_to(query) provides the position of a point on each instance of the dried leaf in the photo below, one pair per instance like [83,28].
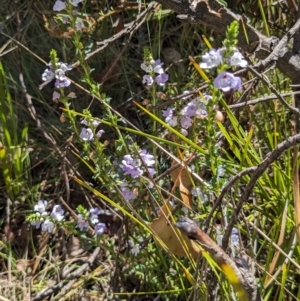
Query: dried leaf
[181,179]
[170,235]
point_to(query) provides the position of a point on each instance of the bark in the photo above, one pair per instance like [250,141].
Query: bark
[217,17]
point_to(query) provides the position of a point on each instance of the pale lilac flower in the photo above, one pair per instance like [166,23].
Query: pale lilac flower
[36,224]
[237,59]
[184,132]
[62,83]
[86,134]
[147,67]
[227,81]
[190,109]
[92,122]
[128,194]
[57,213]
[47,226]
[170,119]
[168,112]
[151,171]
[153,67]
[128,160]
[41,206]
[59,5]
[158,67]
[147,158]
[62,66]
[100,228]
[148,80]
[81,223]
[55,95]
[75,2]
[133,171]
[100,133]
[161,79]
[235,239]
[48,75]
[211,59]
[186,122]
[94,211]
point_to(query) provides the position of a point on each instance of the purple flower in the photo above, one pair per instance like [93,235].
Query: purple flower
[161,79]
[133,171]
[62,83]
[57,213]
[153,67]
[100,228]
[186,122]
[81,223]
[131,166]
[151,171]
[127,194]
[100,133]
[94,211]
[227,81]
[190,109]
[211,59]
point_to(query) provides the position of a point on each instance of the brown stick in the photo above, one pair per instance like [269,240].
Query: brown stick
[242,281]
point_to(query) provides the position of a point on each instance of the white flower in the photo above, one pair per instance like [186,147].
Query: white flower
[40,206]
[48,75]
[148,80]
[94,219]
[211,59]
[47,226]
[86,134]
[75,2]
[237,59]
[57,213]
[146,67]
[92,122]
[59,5]
[184,132]
[135,250]
[171,120]
[158,67]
